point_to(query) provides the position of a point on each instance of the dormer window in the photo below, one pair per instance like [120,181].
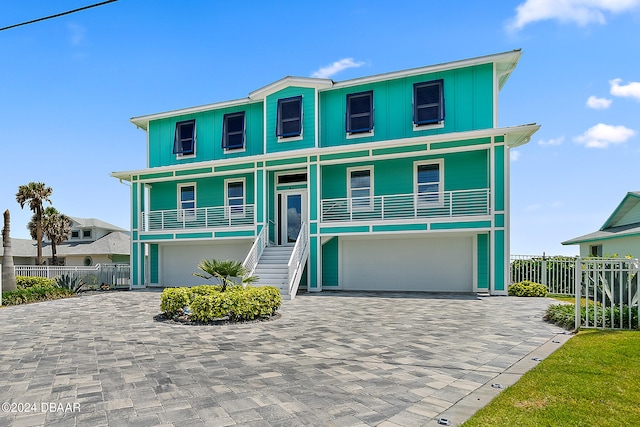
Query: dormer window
[289,121]
[86,234]
[184,143]
[233,128]
[428,103]
[360,112]
[75,234]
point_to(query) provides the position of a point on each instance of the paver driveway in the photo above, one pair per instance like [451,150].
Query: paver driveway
[331,359]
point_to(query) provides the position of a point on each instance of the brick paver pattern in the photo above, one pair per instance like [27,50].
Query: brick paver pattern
[332,359]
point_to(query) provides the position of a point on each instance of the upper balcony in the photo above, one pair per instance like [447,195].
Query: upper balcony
[407,207]
[210,218]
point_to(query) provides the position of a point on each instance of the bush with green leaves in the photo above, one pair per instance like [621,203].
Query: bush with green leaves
[527,289]
[23,282]
[207,303]
[35,293]
[173,300]
[74,284]
[599,316]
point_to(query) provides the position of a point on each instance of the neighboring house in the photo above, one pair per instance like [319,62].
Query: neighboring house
[399,181]
[91,242]
[620,234]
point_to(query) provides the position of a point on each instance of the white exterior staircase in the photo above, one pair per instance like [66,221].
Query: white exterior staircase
[273,268]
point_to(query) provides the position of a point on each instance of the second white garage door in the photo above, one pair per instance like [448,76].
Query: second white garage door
[433,264]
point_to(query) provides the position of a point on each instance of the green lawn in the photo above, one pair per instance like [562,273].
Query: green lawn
[592,380]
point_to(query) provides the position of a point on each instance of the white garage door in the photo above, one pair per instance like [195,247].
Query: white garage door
[437,264]
[178,262]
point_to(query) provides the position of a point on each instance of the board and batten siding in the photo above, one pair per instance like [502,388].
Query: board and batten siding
[208,136]
[209,191]
[308,120]
[462,171]
[468,102]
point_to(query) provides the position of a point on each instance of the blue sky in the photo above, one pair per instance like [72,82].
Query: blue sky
[69,86]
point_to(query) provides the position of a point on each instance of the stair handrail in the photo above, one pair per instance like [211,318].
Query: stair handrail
[251,261]
[295,265]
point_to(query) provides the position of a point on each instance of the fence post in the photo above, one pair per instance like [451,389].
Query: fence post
[544,270]
[578,289]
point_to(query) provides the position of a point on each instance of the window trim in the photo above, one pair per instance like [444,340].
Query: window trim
[359,132]
[431,123]
[289,136]
[425,203]
[85,232]
[227,208]
[180,154]
[225,133]
[592,247]
[77,236]
[371,205]
[183,213]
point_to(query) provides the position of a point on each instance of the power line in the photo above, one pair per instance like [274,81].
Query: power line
[58,14]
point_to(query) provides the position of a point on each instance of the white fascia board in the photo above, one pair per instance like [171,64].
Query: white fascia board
[308,82]
[520,135]
[143,121]
[523,132]
[505,62]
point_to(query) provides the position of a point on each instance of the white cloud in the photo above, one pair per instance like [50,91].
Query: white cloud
[601,136]
[581,12]
[552,141]
[77,32]
[631,90]
[533,208]
[514,155]
[333,69]
[598,103]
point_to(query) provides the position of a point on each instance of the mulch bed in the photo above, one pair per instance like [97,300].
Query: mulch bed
[184,320]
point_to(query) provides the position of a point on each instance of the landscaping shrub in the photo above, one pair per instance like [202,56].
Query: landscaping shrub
[206,303]
[562,315]
[602,317]
[35,293]
[527,289]
[23,282]
[174,299]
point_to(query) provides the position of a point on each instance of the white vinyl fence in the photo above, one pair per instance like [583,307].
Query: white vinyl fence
[113,275]
[609,291]
[555,272]
[607,294]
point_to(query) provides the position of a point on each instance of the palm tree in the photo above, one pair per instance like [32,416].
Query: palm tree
[55,226]
[222,270]
[35,194]
[8,270]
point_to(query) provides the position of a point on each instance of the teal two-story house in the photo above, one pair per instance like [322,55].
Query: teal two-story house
[394,182]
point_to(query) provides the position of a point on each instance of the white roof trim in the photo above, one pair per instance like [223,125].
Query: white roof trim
[143,121]
[288,81]
[510,59]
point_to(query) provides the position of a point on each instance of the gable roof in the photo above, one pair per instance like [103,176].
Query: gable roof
[504,65]
[627,212]
[623,222]
[94,223]
[114,243]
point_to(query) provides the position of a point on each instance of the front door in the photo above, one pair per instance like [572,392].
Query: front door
[291,215]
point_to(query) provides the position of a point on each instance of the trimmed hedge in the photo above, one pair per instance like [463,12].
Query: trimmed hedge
[206,303]
[23,282]
[35,293]
[527,289]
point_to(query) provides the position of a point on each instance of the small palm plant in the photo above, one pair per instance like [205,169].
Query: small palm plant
[222,270]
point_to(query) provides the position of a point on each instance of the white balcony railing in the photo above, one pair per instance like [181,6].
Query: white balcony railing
[446,204]
[198,218]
